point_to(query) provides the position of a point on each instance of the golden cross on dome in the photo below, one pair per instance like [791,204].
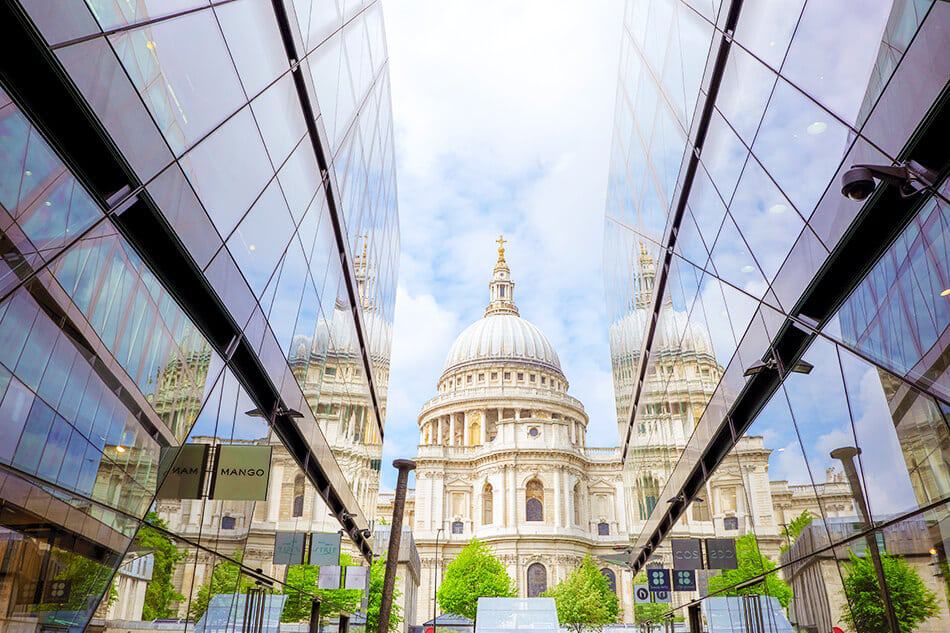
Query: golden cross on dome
[501,246]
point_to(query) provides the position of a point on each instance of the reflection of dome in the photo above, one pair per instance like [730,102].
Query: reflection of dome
[499,338]
[337,336]
[674,334]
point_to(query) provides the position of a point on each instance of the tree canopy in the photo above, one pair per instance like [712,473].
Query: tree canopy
[301,588]
[475,573]
[584,599]
[160,593]
[796,527]
[225,578]
[913,601]
[751,563]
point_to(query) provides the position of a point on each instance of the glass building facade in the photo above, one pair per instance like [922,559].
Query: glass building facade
[780,350]
[199,237]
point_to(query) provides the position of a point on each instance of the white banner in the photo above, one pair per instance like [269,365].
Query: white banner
[329,577]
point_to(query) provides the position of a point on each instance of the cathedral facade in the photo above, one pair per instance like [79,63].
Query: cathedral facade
[502,457]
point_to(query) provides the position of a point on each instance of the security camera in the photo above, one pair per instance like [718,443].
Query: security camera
[366,533]
[911,178]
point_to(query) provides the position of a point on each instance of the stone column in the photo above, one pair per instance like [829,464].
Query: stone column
[568,499]
[273,493]
[484,432]
[512,494]
[465,427]
[438,422]
[557,496]
[619,502]
[452,429]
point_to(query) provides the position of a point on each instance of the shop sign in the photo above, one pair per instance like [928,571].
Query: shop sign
[57,591]
[325,548]
[687,553]
[181,471]
[357,578]
[288,548]
[241,473]
[658,579]
[641,594]
[329,577]
[684,580]
[721,553]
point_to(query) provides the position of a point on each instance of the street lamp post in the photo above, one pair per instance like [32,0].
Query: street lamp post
[846,455]
[395,532]
[435,577]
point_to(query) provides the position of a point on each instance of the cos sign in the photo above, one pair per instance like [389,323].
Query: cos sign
[687,553]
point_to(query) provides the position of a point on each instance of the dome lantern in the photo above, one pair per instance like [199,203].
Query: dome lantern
[501,289]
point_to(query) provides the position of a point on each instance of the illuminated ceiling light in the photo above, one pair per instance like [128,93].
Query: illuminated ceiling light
[150,45]
[252,248]
[28,173]
[816,128]
[933,551]
[119,448]
[48,203]
[778,208]
[748,268]
[945,293]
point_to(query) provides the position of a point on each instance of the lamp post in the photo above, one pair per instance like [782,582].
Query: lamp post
[435,577]
[395,532]
[846,455]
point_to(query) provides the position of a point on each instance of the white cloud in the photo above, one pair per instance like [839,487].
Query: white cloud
[503,115]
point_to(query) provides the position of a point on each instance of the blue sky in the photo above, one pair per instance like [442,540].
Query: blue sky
[503,116]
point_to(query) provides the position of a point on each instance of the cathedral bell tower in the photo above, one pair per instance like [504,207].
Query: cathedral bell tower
[501,288]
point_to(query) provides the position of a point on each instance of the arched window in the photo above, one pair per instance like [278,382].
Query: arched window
[649,492]
[458,527]
[228,523]
[475,434]
[576,501]
[537,580]
[487,503]
[603,529]
[534,501]
[611,578]
[298,496]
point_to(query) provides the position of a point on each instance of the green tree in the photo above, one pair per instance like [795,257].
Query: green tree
[474,574]
[584,599]
[913,601]
[796,527]
[648,611]
[226,578]
[301,588]
[751,564]
[160,592]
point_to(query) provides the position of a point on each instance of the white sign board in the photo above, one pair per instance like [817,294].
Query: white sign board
[356,578]
[641,594]
[661,596]
[329,577]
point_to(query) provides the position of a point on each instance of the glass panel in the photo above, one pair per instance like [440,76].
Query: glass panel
[800,146]
[183,71]
[250,30]
[227,188]
[765,217]
[261,238]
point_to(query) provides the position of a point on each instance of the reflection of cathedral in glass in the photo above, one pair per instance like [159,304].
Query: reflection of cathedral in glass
[682,380]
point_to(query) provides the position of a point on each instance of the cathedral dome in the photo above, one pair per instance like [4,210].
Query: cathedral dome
[499,338]
[674,334]
[502,335]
